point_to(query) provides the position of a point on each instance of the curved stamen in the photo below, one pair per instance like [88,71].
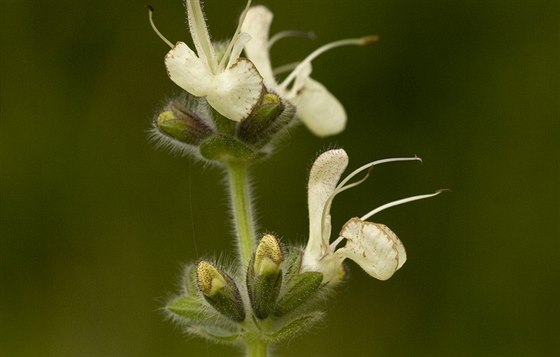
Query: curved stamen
[399,202]
[291,33]
[341,186]
[337,241]
[226,58]
[363,41]
[150,16]
[372,164]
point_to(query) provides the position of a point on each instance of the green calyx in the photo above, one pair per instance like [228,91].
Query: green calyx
[185,119]
[264,276]
[190,125]
[300,290]
[280,303]
[220,291]
[269,117]
[226,148]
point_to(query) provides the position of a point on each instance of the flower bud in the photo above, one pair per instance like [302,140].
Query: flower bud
[269,116]
[220,291]
[264,276]
[185,119]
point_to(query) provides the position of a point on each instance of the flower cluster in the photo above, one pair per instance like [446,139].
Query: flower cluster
[235,86]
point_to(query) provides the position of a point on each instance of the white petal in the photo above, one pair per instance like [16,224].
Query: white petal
[236,91]
[323,178]
[187,70]
[372,246]
[257,24]
[318,109]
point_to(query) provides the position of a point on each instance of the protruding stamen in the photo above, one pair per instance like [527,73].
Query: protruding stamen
[228,53]
[372,164]
[400,202]
[342,185]
[363,41]
[150,16]
[337,241]
[285,34]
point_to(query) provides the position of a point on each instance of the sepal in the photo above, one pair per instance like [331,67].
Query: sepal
[296,327]
[303,288]
[226,148]
[189,307]
[270,116]
[186,119]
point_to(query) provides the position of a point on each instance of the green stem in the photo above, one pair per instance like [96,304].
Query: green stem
[242,210]
[257,349]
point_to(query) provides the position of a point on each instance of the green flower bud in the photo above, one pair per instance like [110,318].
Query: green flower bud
[264,276]
[186,119]
[220,291]
[268,118]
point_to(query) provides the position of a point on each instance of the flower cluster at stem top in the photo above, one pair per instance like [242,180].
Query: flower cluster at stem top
[234,86]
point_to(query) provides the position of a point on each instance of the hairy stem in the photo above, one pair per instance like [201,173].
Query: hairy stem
[242,210]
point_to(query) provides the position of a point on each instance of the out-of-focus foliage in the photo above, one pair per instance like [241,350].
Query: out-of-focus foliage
[95,224]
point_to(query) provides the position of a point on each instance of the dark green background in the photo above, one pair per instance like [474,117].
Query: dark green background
[96,224]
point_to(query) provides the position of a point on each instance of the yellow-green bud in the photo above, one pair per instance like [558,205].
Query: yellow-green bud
[268,256]
[264,276]
[210,280]
[220,291]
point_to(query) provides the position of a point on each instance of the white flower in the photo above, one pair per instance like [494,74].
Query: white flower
[231,86]
[317,108]
[373,246]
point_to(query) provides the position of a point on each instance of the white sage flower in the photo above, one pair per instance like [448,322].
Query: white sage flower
[316,107]
[373,246]
[231,85]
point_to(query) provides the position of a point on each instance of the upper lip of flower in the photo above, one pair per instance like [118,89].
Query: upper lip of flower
[373,246]
[320,111]
[232,86]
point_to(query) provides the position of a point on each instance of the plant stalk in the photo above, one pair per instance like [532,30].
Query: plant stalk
[242,210]
[257,349]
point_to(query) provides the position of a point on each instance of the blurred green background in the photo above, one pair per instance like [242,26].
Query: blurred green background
[96,223]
